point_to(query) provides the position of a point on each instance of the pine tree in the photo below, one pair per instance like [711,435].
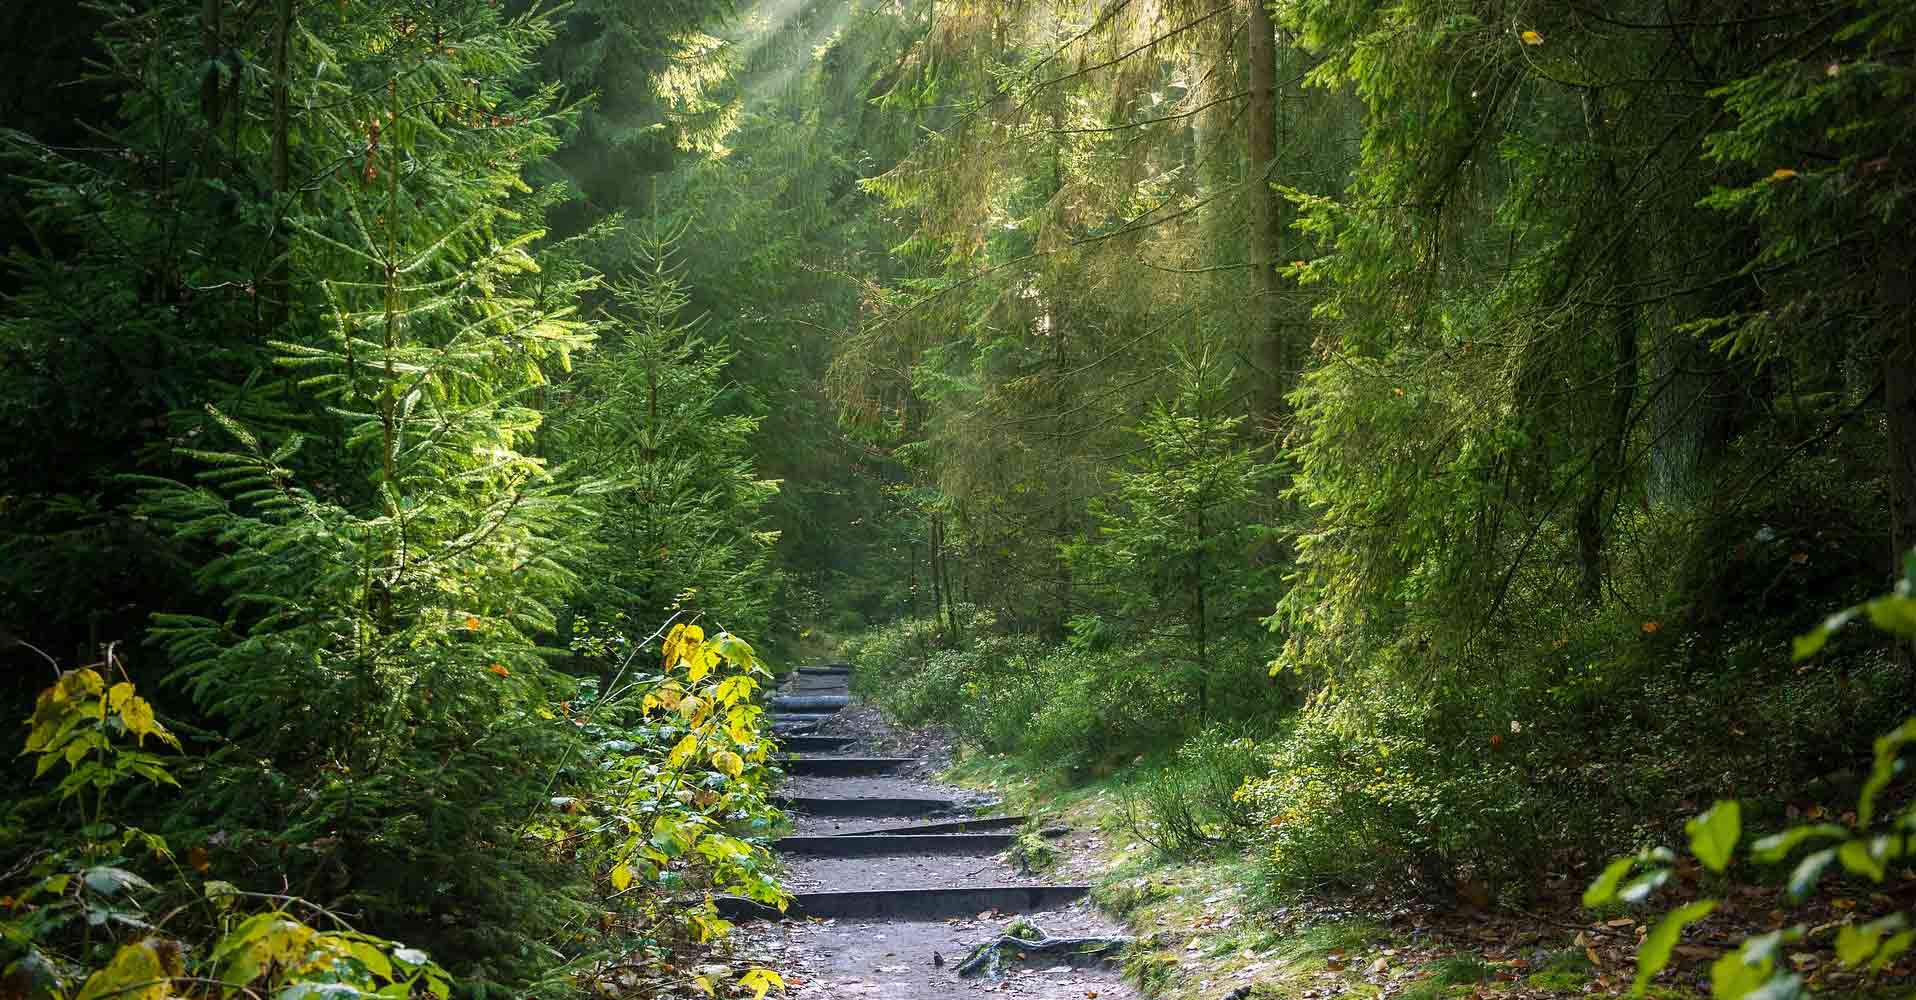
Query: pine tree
[1179,546]
[390,576]
[647,412]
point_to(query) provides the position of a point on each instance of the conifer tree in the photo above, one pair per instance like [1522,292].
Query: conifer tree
[390,574]
[681,513]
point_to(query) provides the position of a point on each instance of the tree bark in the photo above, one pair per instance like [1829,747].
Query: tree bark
[1267,225]
[1899,402]
[211,46]
[278,291]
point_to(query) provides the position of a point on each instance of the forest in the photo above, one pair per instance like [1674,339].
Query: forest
[1434,450]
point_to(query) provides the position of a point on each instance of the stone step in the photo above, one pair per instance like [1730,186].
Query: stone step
[800,718]
[817,744]
[864,845]
[843,766]
[949,826]
[866,807]
[919,904]
[813,703]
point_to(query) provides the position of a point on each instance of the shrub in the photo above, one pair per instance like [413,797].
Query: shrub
[1197,803]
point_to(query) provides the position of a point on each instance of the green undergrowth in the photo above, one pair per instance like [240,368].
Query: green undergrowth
[1480,797]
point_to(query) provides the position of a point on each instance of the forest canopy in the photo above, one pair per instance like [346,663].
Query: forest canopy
[1429,422]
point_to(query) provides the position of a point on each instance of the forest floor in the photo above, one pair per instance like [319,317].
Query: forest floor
[1206,930]
[1202,928]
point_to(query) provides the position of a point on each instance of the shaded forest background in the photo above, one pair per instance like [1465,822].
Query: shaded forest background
[1427,423]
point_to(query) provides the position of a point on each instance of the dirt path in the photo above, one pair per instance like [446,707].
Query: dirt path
[923,931]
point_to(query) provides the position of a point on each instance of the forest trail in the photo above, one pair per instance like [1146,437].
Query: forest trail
[897,878]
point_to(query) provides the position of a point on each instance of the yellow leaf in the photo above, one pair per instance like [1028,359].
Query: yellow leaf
[1782,174]
[1532,38]
[135,973]
[729,762]
[118,694]
[733,690]
[691,707]
[683,751]
[674,642]
[76,684]
[138,718]
[704,659]
[621,877]
[736,651]
[704,983]
[698,663]
[694,634]
[760,981]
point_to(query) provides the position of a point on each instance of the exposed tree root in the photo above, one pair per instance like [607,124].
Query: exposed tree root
[981,957]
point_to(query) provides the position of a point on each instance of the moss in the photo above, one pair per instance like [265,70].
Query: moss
[1463,967]
[1567,971]
[1558,981]
[1153,971]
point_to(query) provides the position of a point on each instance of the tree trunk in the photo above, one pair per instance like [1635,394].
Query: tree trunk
[278,293]
[1607,464]
[1267,225]
[934,555]
[211,46]
[1899,402]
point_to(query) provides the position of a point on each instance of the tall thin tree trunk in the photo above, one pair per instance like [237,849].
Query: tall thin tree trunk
[1899,401]
[1267,225]
[934,555]
[1203,634]
[279,292]
[211,86]
[1606,467]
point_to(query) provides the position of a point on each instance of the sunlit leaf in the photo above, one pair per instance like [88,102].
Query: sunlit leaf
[1604,889]
[1714,834]
[1654,954]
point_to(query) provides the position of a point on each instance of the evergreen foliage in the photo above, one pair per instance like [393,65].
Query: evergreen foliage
[645,413]
[1432,420]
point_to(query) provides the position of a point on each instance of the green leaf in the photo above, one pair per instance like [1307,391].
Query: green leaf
[1892,949]
[372,957]
[1779,987]
[1655,952]
[1748,968]
[1733,975]
[1809,871]
[1714,834]
[1810,643]
[1778,846]
[411,958]
[1895,614]
[1856,943]
[1604,889]
[110,881]
[1889,749]
[1869,857]
[1640,888]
